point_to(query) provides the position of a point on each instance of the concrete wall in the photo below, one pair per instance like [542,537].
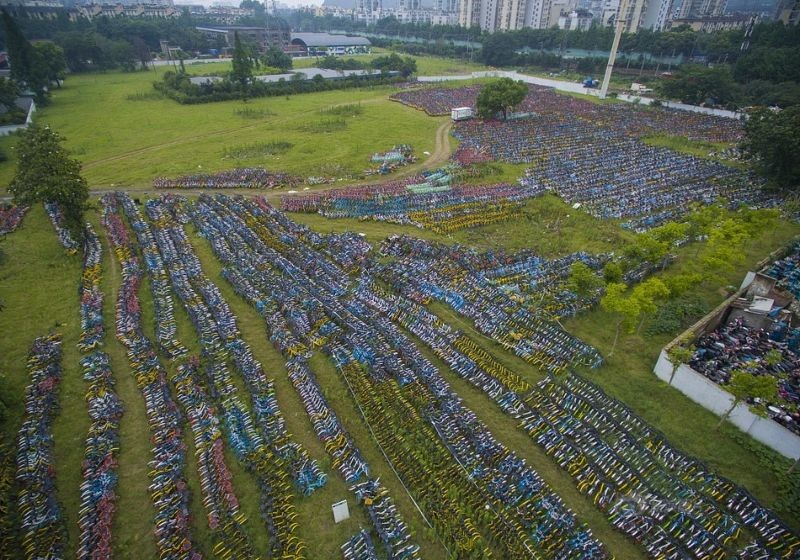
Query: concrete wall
[708,394]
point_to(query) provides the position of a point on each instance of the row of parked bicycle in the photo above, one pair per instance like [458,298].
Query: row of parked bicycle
[424,271]
[346,457]
[56,214]
[42,524]
[99,467]
[219,335]
[11,217]
[261,446]
[239,178]
[169,490]
[634,120]
[358,346]
[650,491]
[442,211]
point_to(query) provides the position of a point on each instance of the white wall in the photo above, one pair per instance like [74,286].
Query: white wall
[708,394]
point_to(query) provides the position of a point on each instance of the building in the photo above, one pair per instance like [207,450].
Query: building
[701,8]
[264,38]
[575,20]
[789,12]
[325,44]
[712,24]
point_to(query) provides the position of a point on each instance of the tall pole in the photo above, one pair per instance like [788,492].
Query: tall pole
[622,17]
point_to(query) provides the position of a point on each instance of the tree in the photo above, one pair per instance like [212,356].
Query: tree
[744,385]
[242,64]
[500,96]
[697,84]
[626,309]
[772,141]
[645,295]
[583,280]
[679,355]
[646,248]
[276,58]
[46,173]
[8,93]
[50,58]
[395,63]
[20,50]
[612,272]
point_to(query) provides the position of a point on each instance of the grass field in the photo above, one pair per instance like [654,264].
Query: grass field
[125,134]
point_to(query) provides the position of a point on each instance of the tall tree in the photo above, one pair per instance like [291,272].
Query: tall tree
[678,355]
[276,58]
[500,96]
[46,173]
[745,385]
[583,281]
[772,141]
[242,64]
[20,51]
[646,295]
[624,308]
[49,57]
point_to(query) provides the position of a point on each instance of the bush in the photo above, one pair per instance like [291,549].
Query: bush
[678,314]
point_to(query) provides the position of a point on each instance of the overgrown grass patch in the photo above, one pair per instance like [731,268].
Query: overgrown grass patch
[145,96]
[324,126]
[257,149]
[347,110]
[253,113]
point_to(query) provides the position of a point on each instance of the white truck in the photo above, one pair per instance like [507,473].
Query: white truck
[640,88]
[461,113]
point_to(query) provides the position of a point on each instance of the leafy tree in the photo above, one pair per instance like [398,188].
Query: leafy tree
[697,84]
[8,93]
[395,63]
[772,141]
[50,58]
[724,247]
[500,96]
[679,355]
[646,248]
[745,385]
[242,64]
[20,51]
[46,173]
[646,294]
[612,272]
[624,308]
[276,58]
[583,280]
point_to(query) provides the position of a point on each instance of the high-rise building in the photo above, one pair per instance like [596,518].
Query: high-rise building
[789,12]
[701,8]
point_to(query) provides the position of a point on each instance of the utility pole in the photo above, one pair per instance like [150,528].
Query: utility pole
[622,18]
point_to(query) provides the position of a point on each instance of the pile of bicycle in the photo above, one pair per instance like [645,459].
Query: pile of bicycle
[428,201]
[92,329]
[464,280]
[396,388]
[11,217]
[56,214]
[42,526]
[787,271]
[239,178]
[734,346]
[388,162]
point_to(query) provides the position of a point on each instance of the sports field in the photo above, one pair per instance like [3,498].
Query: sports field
[126,135]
